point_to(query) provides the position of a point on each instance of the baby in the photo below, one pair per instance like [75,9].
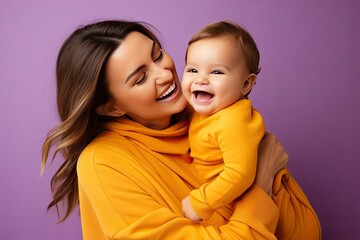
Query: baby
[222,63]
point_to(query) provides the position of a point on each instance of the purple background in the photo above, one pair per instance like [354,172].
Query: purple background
[308,93]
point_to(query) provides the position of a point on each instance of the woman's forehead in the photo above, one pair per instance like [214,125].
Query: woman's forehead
[133,52]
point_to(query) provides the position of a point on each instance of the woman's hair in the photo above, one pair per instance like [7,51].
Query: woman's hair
[241,36]
[81,87]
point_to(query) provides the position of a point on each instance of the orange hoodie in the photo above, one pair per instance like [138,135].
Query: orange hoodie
[132,180]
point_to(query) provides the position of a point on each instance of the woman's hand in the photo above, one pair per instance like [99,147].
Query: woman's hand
[188,210]
[272,157]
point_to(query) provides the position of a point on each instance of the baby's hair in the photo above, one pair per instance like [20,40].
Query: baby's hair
[241,36]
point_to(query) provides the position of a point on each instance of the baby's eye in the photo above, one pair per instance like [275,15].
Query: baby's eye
[192,70]
[217,72]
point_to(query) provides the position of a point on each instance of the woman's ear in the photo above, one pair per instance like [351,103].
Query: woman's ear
[109,109]
[249,83]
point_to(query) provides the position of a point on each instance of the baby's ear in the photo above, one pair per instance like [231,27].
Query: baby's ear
[249,83]
[109,109]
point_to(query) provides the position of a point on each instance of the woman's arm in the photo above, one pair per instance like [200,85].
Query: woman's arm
[297,219]
[119,202]
[271,159]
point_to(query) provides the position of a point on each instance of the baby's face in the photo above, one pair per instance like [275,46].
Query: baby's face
[214,74]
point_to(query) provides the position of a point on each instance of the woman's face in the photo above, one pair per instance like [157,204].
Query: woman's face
[143,83]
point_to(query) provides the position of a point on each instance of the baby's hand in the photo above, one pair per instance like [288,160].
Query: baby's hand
[188,210]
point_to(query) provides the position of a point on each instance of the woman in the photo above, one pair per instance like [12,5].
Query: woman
[123,136]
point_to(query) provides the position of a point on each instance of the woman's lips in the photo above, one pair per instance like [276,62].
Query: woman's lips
[171,90]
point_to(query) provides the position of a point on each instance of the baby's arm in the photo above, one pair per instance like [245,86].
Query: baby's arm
[237,134]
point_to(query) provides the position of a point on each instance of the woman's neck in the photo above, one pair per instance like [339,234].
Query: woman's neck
[157,124]
[161,123]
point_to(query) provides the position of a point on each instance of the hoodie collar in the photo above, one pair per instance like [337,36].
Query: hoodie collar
[172,140]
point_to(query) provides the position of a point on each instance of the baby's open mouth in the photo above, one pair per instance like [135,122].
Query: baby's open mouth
[203,96]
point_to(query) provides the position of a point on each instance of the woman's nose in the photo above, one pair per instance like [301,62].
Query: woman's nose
[162,75]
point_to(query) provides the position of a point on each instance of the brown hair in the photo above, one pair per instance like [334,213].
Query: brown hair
[241,36]
[81,88]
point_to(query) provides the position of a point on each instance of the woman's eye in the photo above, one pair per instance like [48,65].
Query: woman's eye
[160,56]
[142,79]
[217,72]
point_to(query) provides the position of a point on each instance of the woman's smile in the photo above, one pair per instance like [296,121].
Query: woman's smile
[168,93]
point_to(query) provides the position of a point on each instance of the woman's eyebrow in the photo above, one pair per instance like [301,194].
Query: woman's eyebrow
[153,48]
[142,65]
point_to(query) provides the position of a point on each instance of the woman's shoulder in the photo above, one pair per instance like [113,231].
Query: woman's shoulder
[107,149]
